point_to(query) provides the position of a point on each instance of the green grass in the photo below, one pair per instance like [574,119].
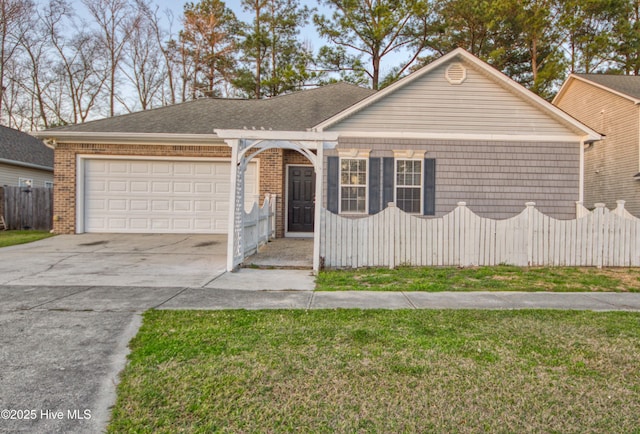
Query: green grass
[500,278]
[12,238]
[382,371]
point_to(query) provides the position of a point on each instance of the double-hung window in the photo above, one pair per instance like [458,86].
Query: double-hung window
[409,185]
[353,185]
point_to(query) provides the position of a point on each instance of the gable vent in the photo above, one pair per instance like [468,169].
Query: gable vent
[456,73]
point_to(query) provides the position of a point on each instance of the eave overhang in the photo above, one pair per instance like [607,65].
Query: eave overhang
[27,165]
[52,138]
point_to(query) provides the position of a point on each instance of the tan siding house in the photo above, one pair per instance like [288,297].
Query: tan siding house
[610,105]
[13,175]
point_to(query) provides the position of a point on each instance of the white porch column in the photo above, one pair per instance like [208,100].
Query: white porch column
[232,238]
[317,233]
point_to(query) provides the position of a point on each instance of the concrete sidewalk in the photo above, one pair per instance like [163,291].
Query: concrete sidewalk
[288,289]
[62,347]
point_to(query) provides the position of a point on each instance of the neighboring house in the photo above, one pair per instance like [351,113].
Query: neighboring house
[609,104]
[456,130]
[24,160]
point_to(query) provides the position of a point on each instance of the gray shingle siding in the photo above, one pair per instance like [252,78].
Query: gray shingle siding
[495,179]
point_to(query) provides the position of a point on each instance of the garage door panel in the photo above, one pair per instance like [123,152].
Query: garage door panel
[118,167]
[160,205]
[139,187]
[182,187]
[160,196]
[160,187]
[139,168]
[182,206]
[117,187]
[117,205]
[159,168]
[139,205]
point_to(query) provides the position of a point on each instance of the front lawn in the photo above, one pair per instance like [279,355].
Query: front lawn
[11,238]
[500,278]
[382,371]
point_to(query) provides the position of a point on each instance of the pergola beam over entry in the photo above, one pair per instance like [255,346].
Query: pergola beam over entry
[245,145]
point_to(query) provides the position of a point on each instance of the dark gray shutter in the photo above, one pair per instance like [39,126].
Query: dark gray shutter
[375,195]
[429,186]
[333,183]
[387,181]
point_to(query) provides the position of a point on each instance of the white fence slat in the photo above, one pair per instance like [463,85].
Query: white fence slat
[461,238]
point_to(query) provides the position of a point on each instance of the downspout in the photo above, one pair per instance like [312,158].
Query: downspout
[581,190]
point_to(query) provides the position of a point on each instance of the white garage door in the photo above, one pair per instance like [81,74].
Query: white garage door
[152,196]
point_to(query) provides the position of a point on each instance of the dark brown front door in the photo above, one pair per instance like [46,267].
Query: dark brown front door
[301,190]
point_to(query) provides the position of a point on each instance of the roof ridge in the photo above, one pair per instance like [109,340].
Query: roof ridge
[322,87]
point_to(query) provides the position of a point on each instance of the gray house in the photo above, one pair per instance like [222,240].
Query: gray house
[24,160]
[611,105]
[456,130]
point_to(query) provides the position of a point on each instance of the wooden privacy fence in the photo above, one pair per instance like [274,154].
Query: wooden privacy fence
[27,208]
[259,225]
[600,238]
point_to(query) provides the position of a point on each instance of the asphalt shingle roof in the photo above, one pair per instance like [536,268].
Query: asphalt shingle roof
[21,147]
[293,112]
[626,84]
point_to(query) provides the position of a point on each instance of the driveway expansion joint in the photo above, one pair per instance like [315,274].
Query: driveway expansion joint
[311,299]
[170,298]
[413,306]
[612,304]
[86,288]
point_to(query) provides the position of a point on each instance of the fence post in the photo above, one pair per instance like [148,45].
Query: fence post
[530,207]
[601,228]
[620,208]
[393,218]
[581,211]
[272,215]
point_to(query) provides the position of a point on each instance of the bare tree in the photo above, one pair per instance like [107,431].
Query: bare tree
[78,64]
[144,63]
[116,20]
[15,17]
[163,40]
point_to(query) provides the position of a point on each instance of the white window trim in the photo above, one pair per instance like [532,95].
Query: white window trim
[366,186]
[27,181]
[48,184]
[395,183]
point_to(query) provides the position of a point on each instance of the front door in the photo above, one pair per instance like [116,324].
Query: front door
[301,191]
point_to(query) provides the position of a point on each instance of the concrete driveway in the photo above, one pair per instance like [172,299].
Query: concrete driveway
[152,260]
[69,306]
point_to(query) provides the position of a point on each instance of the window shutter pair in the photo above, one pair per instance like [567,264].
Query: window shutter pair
[381,184]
